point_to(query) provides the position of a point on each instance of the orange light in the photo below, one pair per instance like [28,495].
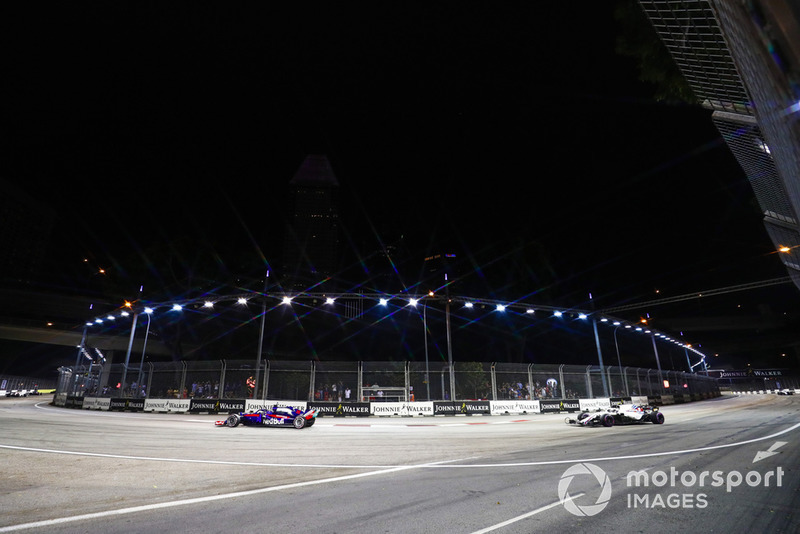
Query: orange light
[784,249]
[128,304]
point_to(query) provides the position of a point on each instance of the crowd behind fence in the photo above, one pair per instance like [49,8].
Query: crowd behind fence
[368,380]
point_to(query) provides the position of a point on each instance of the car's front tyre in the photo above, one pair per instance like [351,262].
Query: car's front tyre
[232,420]
[657,418]
[299,422]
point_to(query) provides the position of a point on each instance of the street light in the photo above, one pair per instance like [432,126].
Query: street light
[261,334]
[425,338]
[130,342]
[599,351]
[617,325]
[148,312]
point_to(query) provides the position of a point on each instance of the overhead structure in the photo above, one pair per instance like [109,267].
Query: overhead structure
[742,60]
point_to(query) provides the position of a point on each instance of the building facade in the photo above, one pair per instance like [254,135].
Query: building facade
[311,240]
[742,61]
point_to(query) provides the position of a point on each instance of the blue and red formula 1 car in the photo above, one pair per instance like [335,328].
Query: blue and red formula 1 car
[276,416]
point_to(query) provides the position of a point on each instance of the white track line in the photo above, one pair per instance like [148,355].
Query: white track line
[529,514]
[199,500]
[435,465]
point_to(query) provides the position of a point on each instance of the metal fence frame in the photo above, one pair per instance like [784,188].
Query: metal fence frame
[354,381]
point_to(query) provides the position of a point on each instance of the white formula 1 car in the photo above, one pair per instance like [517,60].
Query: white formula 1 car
[624,414]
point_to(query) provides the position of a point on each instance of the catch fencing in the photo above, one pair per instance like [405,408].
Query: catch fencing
[376,381]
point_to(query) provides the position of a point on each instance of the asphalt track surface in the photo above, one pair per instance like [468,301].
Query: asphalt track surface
[88,471]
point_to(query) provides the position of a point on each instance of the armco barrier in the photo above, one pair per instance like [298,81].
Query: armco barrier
[364,409]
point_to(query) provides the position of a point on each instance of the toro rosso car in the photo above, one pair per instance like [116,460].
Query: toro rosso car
[624,414]
[276,416]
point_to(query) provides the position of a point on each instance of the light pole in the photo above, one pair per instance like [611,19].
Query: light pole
[261,334]
[449,345]
[148,312]
[617,325]
[130,346]
[658,362]
[599,352]
[128,353]
[425,337]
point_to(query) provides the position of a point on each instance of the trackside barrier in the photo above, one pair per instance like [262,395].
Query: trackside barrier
[365,409]
[369,381]
[767,392]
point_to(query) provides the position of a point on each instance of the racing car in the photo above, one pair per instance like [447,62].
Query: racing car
[624,414]
[786,391]
[275,416]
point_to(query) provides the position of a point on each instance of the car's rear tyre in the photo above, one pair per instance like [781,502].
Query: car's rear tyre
[232,420]
[608,420]
[299,422]
[657,418]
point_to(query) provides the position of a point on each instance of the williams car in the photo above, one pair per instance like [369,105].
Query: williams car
[624,414]
[275,416]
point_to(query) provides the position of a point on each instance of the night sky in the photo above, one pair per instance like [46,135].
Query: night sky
[512,135]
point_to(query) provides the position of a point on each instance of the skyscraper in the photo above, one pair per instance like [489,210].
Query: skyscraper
[311,241]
